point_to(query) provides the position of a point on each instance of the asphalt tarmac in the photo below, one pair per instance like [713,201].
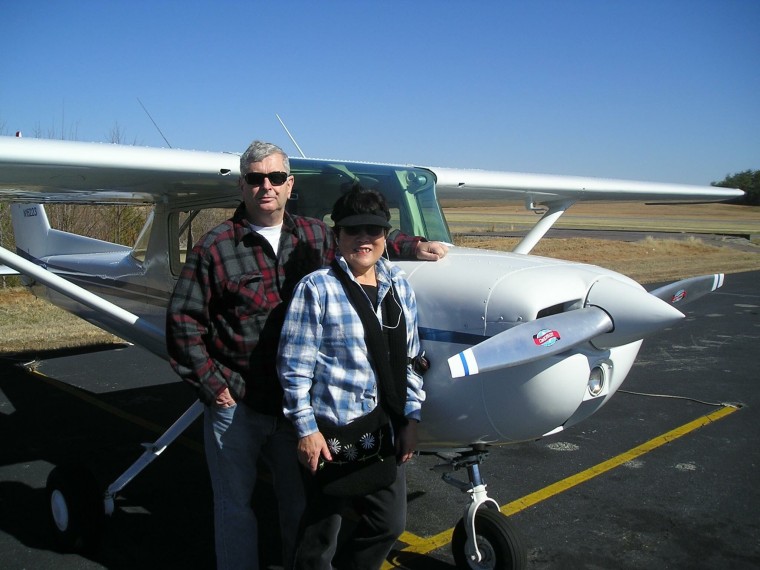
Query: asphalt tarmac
[664,476]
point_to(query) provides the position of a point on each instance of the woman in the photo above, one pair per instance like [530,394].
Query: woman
[345,363]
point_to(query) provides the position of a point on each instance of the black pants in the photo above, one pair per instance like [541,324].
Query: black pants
[380,520]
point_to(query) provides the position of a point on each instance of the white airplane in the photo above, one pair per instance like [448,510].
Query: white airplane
[520,346]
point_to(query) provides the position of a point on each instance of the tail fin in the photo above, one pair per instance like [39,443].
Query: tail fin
[31,229]
[35,238]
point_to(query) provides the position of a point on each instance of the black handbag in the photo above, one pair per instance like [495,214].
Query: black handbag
[364,456]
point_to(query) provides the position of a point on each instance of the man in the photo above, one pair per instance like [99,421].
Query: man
[223,326]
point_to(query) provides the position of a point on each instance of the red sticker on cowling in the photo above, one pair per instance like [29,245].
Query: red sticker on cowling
[546,337]
[679,296]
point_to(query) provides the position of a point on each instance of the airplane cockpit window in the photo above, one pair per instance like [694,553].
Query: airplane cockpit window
[410,193]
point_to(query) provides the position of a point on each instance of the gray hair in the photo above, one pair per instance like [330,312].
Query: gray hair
[258,151]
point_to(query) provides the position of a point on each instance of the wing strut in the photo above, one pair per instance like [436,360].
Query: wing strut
[150,337]
[556,209]
[152,451]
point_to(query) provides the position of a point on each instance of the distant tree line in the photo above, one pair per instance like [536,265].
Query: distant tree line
[749,181]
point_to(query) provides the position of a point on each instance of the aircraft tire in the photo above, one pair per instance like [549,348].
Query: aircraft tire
[76,508]
[500,545]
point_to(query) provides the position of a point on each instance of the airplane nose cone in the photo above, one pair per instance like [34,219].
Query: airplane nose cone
[634,312]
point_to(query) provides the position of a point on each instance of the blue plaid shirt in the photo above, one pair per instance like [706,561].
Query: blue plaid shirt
[323,361]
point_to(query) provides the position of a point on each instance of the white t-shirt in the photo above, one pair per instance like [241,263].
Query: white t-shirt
[271,234]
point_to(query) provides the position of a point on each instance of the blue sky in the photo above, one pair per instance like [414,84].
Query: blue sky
[647,90]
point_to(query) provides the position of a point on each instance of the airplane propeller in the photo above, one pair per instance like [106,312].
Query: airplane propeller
[688,290]
[531,341]
[616,313]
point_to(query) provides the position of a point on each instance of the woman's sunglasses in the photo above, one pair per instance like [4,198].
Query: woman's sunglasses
[257,178]
[370,230]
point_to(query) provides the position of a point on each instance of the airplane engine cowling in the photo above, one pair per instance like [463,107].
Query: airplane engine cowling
[473,295]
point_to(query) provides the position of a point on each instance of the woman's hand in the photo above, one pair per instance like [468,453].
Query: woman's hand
[311,448]
[406,442]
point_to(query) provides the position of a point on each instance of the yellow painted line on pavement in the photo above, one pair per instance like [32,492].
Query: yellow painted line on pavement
[630,455]
[419,546]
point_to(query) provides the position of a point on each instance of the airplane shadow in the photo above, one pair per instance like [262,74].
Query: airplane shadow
[413,561]
[163,517]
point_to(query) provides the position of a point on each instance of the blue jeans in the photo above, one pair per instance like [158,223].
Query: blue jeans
[235,439]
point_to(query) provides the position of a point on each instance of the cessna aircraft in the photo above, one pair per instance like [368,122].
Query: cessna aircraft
[520,346]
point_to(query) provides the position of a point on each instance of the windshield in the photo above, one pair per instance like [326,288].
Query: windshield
[409,192]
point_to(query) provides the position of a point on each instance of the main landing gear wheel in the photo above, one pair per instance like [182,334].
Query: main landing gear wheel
[76,508]
[501,547]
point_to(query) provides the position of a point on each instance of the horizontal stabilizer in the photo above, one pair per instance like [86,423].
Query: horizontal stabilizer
[531,341]
[141,331]
[688,290]
[5,270]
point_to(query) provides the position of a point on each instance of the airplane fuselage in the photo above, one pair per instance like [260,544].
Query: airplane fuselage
[456,310]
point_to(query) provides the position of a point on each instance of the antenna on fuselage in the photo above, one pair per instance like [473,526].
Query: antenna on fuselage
[154,122]
[291,136]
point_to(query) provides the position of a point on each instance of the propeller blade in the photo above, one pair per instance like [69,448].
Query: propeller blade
[688,290]
[531,341]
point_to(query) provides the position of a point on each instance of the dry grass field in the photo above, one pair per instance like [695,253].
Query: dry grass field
[30,324]
[647,261]
[701,218]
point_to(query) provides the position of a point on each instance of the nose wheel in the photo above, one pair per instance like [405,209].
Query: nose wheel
[499,546]
[484,538]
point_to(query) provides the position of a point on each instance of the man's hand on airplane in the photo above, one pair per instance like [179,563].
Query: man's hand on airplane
[431,250]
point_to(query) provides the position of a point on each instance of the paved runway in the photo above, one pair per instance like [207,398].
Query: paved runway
[662,480]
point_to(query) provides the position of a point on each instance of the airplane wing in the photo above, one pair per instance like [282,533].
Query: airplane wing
[546,188]
[552,195]
[50,171]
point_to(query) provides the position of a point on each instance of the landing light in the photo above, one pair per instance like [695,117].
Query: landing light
[596,380]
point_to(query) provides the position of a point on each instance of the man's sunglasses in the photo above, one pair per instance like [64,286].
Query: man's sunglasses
[371,230]
[257,178]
